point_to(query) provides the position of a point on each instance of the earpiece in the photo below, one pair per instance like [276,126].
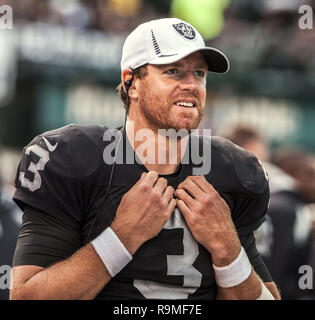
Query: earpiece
[128,84]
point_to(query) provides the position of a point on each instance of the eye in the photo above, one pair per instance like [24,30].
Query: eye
[200,73]
[171,71]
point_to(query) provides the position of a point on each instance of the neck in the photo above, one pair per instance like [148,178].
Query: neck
[158,150]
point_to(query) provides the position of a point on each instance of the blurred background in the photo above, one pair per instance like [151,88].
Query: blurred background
[60,64]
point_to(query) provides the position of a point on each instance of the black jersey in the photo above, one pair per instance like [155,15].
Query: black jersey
[63,176]
[287,242]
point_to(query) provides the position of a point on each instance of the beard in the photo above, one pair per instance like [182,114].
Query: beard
[161,114]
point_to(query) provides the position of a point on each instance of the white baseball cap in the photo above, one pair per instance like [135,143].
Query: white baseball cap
[165,41]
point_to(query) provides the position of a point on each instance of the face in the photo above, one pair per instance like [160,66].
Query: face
[258,148]
[173,95]
[306,180]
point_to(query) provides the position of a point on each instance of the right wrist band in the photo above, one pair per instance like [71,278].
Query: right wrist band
[234,273]
[111,251]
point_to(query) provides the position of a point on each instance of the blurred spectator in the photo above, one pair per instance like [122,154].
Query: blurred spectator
[268,28]
[121,16]
[249,139]
[110,16]
[10,220]
[299,165]
[284,240]
[72,13]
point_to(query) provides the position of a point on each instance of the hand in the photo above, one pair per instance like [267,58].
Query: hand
[143,211]
[209,219]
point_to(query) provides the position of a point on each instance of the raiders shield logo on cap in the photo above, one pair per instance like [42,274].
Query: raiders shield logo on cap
[185,30]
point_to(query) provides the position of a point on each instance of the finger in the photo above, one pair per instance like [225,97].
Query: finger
[168,193]
[171,207]
[192,188]
[141,179]
[202,183]
[150,178]
[181,205]
[184,196]
[160,185]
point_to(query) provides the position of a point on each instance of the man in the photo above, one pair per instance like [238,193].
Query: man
[284,240]
[249,138]
[299,244]
[157,231]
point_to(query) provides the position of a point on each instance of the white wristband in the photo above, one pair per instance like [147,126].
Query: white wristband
[111,251]
[265,293]
[234,273]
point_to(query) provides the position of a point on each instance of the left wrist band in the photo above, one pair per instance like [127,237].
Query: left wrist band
[234,273]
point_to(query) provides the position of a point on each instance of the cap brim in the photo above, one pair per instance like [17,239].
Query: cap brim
[216,59]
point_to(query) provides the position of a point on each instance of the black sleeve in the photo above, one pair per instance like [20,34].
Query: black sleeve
[54,170]
[250,211]
[249,244]
[252,203]
[44,239]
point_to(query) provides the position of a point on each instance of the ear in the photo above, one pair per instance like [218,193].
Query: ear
[125,76]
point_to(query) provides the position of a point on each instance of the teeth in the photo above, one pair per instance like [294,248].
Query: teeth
[185,104]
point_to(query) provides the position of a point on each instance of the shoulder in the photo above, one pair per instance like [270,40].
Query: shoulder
[57,167]
[73,150]
[236,169]
[71,136]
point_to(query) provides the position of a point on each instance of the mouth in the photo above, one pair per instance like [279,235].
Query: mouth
[186,104]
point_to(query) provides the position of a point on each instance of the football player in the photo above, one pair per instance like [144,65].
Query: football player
[148,229]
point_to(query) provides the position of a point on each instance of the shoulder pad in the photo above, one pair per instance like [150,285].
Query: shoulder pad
[246,166]
[75,150]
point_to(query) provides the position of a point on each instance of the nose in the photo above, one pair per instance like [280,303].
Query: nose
[189,82]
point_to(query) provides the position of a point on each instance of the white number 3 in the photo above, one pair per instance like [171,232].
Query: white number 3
[35,168]
[176,265]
